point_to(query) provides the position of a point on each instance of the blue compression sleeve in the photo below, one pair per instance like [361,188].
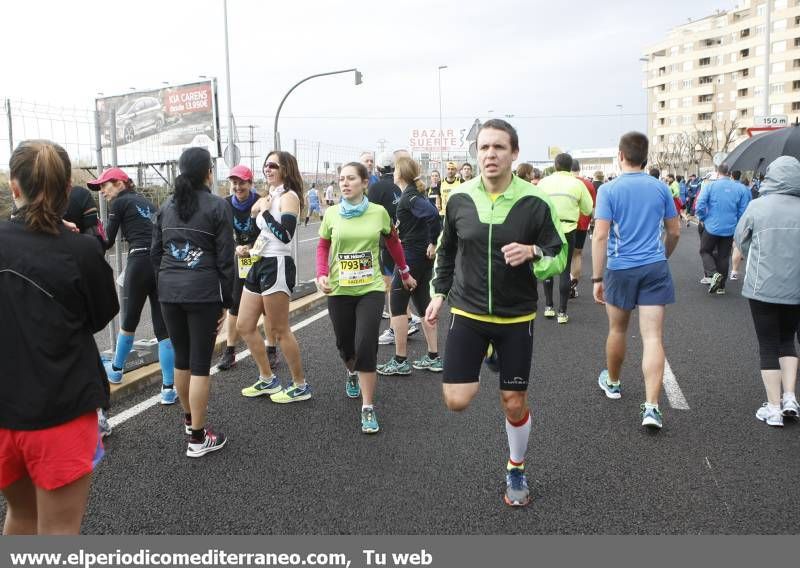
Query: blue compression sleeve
[166,357]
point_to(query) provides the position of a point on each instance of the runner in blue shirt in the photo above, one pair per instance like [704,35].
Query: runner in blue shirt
[628,239]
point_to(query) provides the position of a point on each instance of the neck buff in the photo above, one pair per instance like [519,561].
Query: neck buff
[349,211]
[246,204]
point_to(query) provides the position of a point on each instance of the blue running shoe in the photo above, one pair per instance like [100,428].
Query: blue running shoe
[369,421]
[114,376]
[517,494]
[352,387]
[612,391]
[651,417]
[168,396]
[492,361]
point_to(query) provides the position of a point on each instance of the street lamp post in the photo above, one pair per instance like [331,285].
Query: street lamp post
[441,135]
[276,137]
[231,135]
[620,120]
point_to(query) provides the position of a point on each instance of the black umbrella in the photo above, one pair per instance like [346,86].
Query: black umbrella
[756,153]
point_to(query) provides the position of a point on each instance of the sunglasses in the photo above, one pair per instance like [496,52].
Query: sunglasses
[271,166]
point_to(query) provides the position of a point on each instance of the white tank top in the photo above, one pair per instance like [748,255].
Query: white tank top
[272,245]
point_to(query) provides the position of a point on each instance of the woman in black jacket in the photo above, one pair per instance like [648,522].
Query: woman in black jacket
[56,291]
[192,253]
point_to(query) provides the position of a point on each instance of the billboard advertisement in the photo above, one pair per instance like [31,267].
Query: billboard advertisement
[180,115]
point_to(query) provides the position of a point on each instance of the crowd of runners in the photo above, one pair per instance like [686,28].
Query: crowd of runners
[391,247]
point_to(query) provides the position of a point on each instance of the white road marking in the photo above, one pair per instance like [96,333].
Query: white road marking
[674,392]
[126,415]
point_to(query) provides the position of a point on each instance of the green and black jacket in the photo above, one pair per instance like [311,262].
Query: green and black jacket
[470,267]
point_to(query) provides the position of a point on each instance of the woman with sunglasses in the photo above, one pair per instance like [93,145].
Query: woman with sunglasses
[272,278]
[192,253]
[348,270]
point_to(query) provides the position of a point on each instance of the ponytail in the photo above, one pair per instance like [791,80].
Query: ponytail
[43,171]
[408,170]
[195,165]
[185,198]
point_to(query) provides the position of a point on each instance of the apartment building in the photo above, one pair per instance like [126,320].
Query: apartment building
[705,80]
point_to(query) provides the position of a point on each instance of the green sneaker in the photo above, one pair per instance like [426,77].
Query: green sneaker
[292,393]
[394,367]
[262,387]
[351,387]
[428,364]
[369,421]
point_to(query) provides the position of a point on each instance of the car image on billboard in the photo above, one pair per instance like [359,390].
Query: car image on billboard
[163,117]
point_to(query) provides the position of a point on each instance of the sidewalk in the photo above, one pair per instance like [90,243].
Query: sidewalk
[143,377]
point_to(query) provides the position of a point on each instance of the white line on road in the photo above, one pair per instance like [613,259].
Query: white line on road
[674,392]
[125,415]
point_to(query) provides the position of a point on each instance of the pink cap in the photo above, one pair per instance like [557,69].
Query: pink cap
[241,172]
[111,174]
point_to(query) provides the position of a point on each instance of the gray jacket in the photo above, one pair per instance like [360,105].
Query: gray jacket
[769,234]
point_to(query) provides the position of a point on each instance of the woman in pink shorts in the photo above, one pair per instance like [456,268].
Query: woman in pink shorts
[56,291]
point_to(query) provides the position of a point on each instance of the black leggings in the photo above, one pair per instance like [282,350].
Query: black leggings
[716,254]
[193,331]
[776,326]
[421,271]
[356,323]
[140,285]
[564,278]
[238,286]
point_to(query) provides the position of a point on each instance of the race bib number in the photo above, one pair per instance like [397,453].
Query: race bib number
[245,263]
[356,268]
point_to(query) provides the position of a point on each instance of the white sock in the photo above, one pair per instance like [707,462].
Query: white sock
[366,406]
[518,439]
[648,405]
[789,396]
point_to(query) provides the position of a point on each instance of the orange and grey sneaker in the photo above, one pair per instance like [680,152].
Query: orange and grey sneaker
[517,493]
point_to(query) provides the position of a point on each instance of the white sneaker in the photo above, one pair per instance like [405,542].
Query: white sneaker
[387,337]
[413,327]
[386,315]
[705,280]
[734,276]
[790,408]
[772,416]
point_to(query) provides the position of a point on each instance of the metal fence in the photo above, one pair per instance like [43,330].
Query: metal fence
[148,163]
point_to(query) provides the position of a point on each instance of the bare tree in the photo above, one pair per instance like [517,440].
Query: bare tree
[719,138]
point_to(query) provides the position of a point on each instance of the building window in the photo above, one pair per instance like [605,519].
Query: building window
[686,84]
[687,101]
[745,33]
[706,79]
[796,63]
[797,20]
[759,29]
[797,42]
[662,121]
[795,85]
[744,53]
[704,116]
[661,71]
[776,89]
[705,61]
[796,105]
[704,99]
[662,104]
[743,92]
[743,112]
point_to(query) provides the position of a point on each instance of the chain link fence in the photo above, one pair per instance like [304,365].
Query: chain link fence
[152,166]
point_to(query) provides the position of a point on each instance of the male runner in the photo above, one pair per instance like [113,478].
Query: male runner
[638,275]
[500,235]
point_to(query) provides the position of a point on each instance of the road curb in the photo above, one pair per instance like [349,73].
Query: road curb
[143,377]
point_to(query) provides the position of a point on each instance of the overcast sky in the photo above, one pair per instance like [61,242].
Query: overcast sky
[544,62]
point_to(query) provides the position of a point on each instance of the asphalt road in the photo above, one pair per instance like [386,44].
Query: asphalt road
[305,468]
